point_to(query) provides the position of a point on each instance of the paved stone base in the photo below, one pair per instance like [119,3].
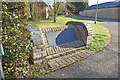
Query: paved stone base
[68,59]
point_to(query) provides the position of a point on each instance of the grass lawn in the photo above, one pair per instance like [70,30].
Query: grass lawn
[100,34]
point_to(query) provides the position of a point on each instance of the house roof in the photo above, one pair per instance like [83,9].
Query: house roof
[105,5]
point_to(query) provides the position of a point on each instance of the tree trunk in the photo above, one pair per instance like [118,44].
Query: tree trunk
[55,17]
[55,14]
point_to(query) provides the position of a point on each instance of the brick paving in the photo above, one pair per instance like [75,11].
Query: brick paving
[69,59]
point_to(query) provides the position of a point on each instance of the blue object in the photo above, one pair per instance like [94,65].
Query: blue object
[1,50]
[105,5]
[93,19]
[66,36]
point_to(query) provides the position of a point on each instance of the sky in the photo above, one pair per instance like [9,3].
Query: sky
[92,2]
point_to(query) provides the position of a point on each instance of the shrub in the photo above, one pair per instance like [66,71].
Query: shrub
[15,38]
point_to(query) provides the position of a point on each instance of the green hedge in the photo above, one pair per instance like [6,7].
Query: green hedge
[15,39]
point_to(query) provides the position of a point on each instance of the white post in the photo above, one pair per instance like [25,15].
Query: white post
[1,70]
[96,12]
[47,13]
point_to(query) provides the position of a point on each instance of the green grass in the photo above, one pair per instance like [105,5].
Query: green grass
[100,34]
[61,21]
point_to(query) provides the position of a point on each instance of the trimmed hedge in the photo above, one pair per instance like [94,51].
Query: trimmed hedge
[15,39]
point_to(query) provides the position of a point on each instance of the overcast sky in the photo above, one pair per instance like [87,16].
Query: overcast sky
[92,2]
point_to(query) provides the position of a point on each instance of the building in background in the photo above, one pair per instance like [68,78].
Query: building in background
[77,6]
[40,10]
[108,10]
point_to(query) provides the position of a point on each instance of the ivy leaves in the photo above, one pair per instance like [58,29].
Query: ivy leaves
[16,37]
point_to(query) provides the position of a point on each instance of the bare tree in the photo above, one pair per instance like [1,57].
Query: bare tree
[69,8]
[56,7]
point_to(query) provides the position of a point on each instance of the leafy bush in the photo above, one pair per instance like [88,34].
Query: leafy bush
[15,38]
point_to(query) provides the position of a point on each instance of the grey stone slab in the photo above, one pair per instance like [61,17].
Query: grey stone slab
[51,37]
[32,26]
[37,32]
[61,37]
[38,40]
[37,43]
[35,29]
[36,36]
